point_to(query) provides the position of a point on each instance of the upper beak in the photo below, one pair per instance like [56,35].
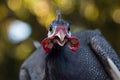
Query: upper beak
[61,35]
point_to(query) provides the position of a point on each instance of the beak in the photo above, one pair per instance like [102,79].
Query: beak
[61,35]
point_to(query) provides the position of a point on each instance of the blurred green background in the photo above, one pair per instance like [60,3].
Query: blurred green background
[23,21]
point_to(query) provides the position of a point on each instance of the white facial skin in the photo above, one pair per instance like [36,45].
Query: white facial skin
[61,33]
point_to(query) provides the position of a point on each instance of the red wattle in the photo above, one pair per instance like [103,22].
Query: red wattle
[74,43]
[46,44]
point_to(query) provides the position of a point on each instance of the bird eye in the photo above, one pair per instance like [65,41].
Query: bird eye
[68,26]
[50,28]
[68,29]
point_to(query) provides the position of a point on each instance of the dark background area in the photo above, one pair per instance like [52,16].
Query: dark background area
[23,21]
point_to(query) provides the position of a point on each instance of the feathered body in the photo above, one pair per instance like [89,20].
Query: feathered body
[63,64]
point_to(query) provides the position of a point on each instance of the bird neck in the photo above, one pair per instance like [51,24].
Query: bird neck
[54,62]
[55,51]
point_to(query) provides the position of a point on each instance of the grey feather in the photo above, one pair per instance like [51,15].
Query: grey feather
[115,73]
[36,44]
[87,63]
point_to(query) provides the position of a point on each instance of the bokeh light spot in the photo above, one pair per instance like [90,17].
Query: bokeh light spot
[116,15]
[67,6]
[41,8]
[14,4]
[18,31]
[91,12]
[23,50]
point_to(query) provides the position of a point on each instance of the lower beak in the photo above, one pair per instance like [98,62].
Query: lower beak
[61,35]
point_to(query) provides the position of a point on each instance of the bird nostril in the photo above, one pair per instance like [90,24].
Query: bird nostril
[56,37]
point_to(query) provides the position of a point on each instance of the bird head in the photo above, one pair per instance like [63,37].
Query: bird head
[59,33]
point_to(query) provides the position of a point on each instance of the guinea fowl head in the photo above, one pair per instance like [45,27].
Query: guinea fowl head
[59,33]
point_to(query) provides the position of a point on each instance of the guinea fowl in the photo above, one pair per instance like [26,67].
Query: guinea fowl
[63,55]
